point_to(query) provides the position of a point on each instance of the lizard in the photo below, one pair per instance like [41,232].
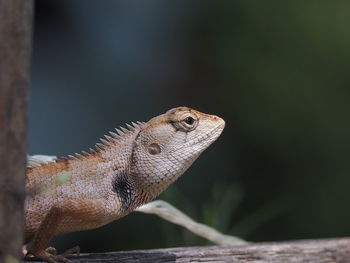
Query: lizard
[127,169]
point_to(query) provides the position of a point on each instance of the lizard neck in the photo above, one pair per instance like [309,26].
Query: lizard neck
[148,190]
[153,182]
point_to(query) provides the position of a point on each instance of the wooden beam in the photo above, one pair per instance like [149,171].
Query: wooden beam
[306,251]
[15,48]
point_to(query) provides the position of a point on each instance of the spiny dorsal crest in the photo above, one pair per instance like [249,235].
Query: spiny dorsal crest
[115,138]
[118,138]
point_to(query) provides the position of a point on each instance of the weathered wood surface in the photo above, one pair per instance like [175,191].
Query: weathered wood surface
[308,251]
[15,47]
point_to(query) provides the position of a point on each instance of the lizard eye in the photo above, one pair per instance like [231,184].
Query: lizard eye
[189,120]
[188,123]
[185,121]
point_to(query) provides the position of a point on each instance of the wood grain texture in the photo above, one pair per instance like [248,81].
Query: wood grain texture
[306,251]
[15,48]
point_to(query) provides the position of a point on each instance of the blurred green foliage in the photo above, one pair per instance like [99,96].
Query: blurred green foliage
[276,71]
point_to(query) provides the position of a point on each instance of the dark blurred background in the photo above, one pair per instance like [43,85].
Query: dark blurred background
[276,71]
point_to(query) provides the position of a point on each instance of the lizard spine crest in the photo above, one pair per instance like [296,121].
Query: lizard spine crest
[112,140]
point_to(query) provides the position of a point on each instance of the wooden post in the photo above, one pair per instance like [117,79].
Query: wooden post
[304,251]
[15,48]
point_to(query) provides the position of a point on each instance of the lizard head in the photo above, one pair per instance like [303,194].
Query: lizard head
[168,144]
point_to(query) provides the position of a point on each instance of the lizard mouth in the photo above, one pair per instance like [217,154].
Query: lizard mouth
[212,135]
[208,137]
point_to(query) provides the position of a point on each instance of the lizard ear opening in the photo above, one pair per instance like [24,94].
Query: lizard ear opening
[154,149]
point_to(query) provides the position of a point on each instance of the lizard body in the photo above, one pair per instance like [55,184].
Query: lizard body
[125,171]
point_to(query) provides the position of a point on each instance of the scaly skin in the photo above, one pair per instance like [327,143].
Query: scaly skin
[125,171]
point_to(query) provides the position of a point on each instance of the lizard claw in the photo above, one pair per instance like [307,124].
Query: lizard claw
[73,250]
[51,250]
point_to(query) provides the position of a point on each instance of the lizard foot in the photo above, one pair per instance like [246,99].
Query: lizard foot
[49,255]
[51,250]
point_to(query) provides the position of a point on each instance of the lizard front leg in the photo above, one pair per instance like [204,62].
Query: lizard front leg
[68,216]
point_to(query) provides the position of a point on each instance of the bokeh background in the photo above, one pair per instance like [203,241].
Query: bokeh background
[276,71]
